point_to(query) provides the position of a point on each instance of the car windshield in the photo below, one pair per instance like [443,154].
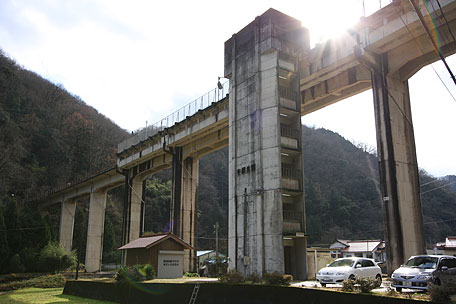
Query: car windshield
[342,263]
[422,262]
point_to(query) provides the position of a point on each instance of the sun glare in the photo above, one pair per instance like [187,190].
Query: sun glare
[332,18]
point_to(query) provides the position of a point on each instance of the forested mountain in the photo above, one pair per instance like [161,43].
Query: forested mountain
[49,136]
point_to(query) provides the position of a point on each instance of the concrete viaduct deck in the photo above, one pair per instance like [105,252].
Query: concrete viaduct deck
[260,120]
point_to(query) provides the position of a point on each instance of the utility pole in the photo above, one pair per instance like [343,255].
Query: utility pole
[216,227]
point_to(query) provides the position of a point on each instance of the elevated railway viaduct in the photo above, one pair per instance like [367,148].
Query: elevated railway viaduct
[275,79]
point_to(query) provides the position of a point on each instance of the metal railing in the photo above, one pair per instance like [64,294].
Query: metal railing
[288,172]
[292,216]
[189,109]
[289,132]
[288,94]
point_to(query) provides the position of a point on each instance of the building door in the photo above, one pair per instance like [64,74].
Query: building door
[287,258]
[170,264]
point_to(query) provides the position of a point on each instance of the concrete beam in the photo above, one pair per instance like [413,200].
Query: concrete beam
[94,249]
[348,83]
[188,209]
[136,201]
[403,217]
[105,181]
[198,126]
[67,224]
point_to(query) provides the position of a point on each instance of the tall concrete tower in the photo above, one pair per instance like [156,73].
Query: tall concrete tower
[266,201]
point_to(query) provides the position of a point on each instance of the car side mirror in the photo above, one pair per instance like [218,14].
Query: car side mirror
[444,268]
[358,266]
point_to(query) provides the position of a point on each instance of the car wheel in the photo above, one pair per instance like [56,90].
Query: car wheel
[399,289]
[323,284]
[378,280]
[351,277]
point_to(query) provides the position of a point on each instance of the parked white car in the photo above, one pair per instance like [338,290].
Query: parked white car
[349,268]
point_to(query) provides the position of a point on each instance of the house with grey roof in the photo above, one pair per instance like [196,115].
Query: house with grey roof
[373,249]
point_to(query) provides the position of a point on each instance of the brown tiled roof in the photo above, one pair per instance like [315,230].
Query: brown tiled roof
[147,242]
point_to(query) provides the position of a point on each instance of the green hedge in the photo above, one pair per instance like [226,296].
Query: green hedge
[49,281]
[220,293]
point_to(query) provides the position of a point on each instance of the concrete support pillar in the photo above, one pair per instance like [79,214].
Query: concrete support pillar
[95,230]
[135,212]
[404,232]
[188,209]
[253,59]
[300,247]
[176,194]
[67,224]
[184,199]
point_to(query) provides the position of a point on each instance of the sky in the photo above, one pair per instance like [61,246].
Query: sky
[138,61]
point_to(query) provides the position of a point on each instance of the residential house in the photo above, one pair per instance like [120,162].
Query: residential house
[448,247]
[373,249]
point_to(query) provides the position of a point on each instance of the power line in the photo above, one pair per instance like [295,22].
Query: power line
[28,228]
[428,32]
[438,187]
[446,21]
[441,221]
[422,51]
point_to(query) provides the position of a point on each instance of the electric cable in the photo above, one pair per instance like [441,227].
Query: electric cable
[422,51]
[446,21]
[428,32]
[438,188]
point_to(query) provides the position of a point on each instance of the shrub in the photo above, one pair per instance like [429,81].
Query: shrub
[29,257]
[441,294]
[348,285]
[136,273]
[276,278]
[15,265]
[232,277]
[254,278]
[364,285]
[191,275]
[54,258]
[216,266]
[50,281]
[7,278]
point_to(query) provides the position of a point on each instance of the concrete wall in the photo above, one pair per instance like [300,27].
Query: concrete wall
[317,258]
[255,220]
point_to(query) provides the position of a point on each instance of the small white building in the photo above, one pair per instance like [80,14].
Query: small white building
[164,251]
[203,255]
[448,247]
[373,249]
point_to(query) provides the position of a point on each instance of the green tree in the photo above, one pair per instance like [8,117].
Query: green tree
[14,232]
[109,239]
[54,258]
[4,249]
[158,198]
[32,228]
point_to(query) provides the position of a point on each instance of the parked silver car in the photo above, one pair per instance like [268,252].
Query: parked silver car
[349,268]
[420,270]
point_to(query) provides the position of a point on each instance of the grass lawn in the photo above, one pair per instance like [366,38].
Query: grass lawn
[43,295]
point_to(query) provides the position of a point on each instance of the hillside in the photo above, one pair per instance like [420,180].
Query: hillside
[47,135]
